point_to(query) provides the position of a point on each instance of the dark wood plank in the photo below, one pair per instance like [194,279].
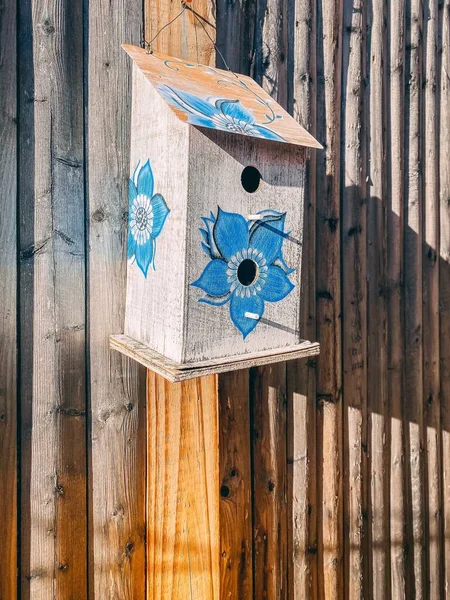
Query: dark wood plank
[8,306]
[117,501]
[52,301]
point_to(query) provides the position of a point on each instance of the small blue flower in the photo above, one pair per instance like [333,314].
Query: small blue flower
[147,214]
[246,266]
[223,114]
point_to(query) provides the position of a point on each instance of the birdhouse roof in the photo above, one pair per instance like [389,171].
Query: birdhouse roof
[218,99]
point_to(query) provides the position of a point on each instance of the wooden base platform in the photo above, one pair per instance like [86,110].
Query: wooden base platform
[174,371]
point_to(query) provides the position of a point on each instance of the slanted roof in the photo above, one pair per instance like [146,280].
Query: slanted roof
[218,99]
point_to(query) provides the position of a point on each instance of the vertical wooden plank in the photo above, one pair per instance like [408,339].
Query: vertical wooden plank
[234,35]
[268,398]
[117,500]
[8,294]
[328,293]
[431,303]
[413,293]
[182,489]
[52,301]
[444,277]
[377,375]
[395,358]
[354,301]
[301,375]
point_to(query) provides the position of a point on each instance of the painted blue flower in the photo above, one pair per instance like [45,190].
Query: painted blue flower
[222,113]
[146,216]
[246,266]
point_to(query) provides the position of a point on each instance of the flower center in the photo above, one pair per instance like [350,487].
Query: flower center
[141,218]
[247,272]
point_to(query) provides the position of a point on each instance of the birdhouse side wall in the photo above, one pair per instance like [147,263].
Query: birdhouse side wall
[157,222]
[220,206]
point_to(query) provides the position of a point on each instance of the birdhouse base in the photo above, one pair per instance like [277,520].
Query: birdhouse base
[174,371]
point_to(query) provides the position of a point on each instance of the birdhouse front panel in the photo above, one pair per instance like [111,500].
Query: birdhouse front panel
[244,245]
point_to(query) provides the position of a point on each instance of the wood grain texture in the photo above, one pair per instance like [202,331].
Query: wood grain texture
[395,343]
[444,278]
[236,540]
[328,301]
[413,298]
[302,476]
[377,374]
[52,302]
[354,301]
[117,499]
[430,270]
[8,306]
[182,489]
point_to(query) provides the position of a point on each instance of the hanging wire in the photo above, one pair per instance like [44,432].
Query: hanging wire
[149,44]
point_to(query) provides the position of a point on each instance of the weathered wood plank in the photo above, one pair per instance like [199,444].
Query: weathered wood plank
[236,542]
[395,358]
[268,403]
[377,376]
[8,306]
[52,301]
[182,489]
[430,269]
[444,277]
[328,307]
[117,432]
[301,375]
[354,301]
[413,296]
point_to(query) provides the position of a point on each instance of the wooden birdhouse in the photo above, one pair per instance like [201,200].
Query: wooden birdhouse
[215,227]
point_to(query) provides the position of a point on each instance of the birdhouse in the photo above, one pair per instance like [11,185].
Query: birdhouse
[215,226]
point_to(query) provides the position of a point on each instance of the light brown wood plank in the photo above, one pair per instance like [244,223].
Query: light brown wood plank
[52,302]
[430,267]
[117,499]
[301,375]
[444,278]
[377,375]
[268,403]
[354,302]
[182,489]
[395,357]
[413,297]
[328,298]
[8,306]
[236,543]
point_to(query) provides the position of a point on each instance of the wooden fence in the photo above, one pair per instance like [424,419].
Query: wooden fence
[344,462]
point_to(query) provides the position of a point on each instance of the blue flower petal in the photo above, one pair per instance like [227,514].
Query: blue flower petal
[277,285]
[132,192]
[160,212]
[230,233]
[268,238]
[214,280]
[239,306]
[267,133]
[188,102]
[219,301]
[145,181]
[235,110]
[131,249]
[144,254]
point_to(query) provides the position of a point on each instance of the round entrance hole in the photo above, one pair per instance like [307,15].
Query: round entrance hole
[251,179]
[247,272]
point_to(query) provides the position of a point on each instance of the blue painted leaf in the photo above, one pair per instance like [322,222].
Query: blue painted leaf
[206,249]
[235,110]
[160,212]
[145,181]
[144,254]
[277,285]
[268,134]
[230,233]
[280,262]
[239,306]
[268,237]
[131,247]
[214,280]
[134,176]
[219,301]
[209,223]
[132,192]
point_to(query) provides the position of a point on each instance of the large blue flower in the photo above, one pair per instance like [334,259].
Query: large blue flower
[222,113]
[246,267]
[146,217]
